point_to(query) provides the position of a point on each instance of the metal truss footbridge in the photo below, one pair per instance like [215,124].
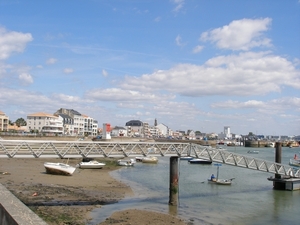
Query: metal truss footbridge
[83,149]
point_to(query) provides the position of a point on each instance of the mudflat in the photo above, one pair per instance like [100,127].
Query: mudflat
[62,200]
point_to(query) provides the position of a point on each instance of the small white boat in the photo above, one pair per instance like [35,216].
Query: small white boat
[59,168]
[93,164]
[295,162]
[139,159]
[186,157]
[123,162]
[150,159]
[253,152]
[200,161]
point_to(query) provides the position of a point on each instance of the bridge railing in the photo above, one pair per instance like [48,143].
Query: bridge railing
[82,149]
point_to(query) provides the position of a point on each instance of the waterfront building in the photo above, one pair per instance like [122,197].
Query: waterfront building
[227,132]
[68,124]
[81,124]
[119,132]
[4,120]
[135,128]
[45,123]
[163,130]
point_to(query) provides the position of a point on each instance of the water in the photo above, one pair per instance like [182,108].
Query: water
[249,200]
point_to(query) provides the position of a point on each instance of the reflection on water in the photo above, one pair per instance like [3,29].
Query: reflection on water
[249,200]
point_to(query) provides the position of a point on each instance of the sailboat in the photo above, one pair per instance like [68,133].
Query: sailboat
[216,180]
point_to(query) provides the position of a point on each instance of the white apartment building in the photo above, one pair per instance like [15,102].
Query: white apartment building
[163,130]
[3,121]
[45,123]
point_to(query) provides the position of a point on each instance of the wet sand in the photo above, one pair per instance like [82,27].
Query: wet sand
[64,200]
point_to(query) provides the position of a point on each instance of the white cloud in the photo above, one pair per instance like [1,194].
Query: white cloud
[178,41]
[244,74]
[117,94]
[104,73]
[157,19]
[197,49]
[179,4]
[242,34]
[68,70]
[25,78]
[12,41]
[273,106]
[51,61]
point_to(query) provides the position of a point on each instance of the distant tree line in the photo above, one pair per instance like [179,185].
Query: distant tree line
[19,122]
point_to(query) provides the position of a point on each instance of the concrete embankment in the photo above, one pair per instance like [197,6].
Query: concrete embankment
[14,212]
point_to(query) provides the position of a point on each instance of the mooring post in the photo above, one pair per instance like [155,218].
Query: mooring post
[174,178]
[278,185]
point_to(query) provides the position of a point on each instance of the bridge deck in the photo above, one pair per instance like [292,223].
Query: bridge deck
[80,149]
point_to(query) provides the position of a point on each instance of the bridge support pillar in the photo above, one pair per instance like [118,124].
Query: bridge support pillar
[278,185]
[174,178]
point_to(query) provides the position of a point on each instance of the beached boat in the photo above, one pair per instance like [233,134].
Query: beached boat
[122,162]
[150,159]
[139,158]
[200,161]
[93,164]
[59,168]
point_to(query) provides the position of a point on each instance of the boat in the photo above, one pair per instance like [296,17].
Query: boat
[59,168]
[186,158]
[139,159]
[200,161]
[93,164]
[216,180]
[122,162]
[295,161]
[253,152]
[150,159]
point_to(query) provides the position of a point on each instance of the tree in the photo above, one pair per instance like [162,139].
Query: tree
[10,122]
[20,122]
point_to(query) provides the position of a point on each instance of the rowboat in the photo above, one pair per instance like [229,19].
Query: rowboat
[59,168]
[216,180]
[295,162]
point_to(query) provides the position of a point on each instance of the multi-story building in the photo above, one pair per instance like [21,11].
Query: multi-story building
[163,130]
[119,132]
[68,124]
[135,128]
[4,120]
[45,123]
[153,131]
[82,124]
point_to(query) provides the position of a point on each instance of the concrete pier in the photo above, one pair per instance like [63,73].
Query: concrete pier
[14,212]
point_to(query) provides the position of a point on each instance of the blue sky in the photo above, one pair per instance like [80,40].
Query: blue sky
[191,64]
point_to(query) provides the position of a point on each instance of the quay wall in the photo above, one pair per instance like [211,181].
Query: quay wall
[14,212]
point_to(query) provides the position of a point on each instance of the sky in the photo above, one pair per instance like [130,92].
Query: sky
[191,64]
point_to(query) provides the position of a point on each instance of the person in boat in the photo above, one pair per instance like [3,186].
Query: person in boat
[296,157]
[212,177]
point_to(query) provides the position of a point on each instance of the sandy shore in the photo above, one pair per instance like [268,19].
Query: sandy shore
[68,200]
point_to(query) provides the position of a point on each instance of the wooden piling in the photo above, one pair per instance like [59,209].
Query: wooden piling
[174,178]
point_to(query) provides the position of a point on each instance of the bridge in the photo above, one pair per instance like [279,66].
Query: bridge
[82,149]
